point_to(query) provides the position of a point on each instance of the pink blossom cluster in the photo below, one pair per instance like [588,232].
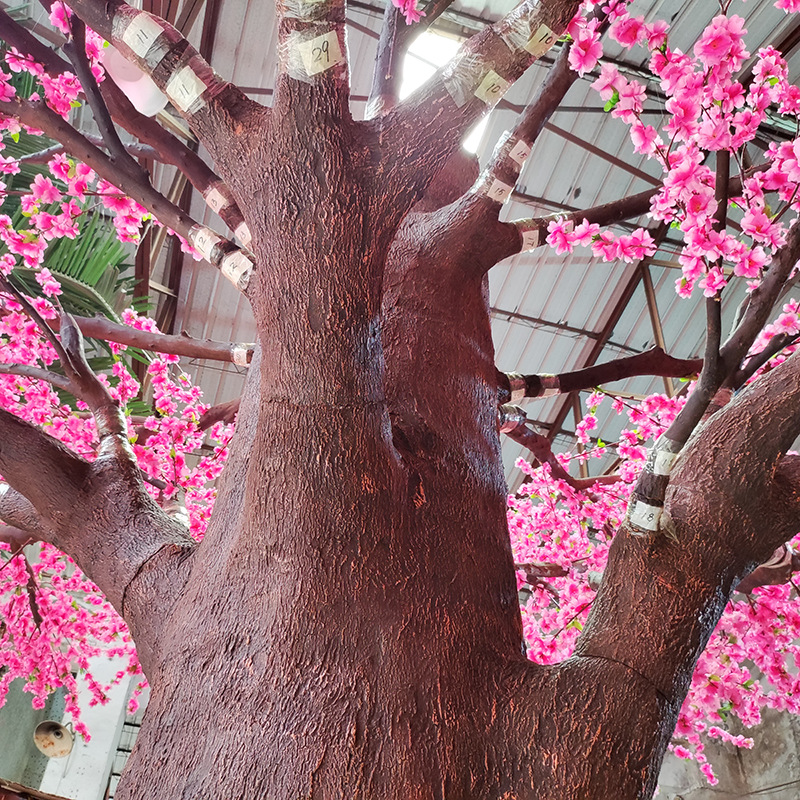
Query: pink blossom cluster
[709,110]
[55,619]
[563,236]
[750,662]
[410,10]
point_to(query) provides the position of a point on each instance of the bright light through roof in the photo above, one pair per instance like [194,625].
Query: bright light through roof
[428,52]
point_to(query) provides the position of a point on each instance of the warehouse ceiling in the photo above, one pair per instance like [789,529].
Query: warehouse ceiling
[550,313]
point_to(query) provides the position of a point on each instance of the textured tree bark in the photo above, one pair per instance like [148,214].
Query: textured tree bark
[349,626]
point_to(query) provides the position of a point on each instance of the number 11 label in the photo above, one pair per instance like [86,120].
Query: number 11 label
[321,53]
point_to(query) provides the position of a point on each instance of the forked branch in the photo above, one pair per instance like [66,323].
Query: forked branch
[205,100]
[426,127]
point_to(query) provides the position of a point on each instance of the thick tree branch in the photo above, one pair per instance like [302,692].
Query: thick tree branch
[20,515]
[76,52]
[233,262]
[178,345]
[396,36]
[167,148]
[312,65]
[16,538]
[424,129]
[731,502]
[171,150]
[513,386]
[40,468]
[100,514]
[384,94]
[222,412]
[777,570]
[205,100]
[502,173]
[533,231]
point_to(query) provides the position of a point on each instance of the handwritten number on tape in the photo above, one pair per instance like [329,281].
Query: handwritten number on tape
[530,240]
[520,152]
[499,191]
[215,200]
[141,33]
[321,53]
[184,88]
[492,88]
[541,41]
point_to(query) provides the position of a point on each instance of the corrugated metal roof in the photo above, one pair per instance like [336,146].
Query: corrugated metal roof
[549,310]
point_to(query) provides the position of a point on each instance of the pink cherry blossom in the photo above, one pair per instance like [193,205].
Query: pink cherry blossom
[609,81]
[410,10]
[559,235]
[586,48]
[721,42]
[628,31]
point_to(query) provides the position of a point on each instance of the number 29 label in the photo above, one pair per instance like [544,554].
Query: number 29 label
[321,53]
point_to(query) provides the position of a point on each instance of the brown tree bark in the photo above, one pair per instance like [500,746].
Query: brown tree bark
[349,627]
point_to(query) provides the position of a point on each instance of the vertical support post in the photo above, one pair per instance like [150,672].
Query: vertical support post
[655,318]
[576,413]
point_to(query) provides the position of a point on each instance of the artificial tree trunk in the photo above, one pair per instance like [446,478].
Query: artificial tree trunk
[349,627]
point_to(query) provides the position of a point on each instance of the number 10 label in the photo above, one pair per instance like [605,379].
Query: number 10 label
[541,41]
[492,88]
[321,53]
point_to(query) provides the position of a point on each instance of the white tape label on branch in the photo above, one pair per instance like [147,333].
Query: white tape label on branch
[645,516]
[499,191]
[664,462]
[239,354]
[541,41]
[321,53]
[243,234]
[519,152]
[492,88]
[141,33]
[215,200]
[203,240]
[184,88]
[235,265]
[530,240]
